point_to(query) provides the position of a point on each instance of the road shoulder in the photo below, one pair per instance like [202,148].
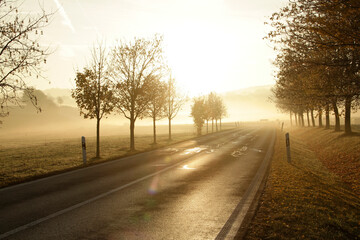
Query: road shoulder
[304,199]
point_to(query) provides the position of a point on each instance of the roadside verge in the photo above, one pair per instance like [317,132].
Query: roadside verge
[306,199]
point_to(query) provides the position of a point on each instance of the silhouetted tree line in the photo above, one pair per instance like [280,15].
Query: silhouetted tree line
[129,80]
[318,44]
[208,108]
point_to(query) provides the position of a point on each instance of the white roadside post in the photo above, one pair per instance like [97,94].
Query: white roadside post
[288,147]
[83,149]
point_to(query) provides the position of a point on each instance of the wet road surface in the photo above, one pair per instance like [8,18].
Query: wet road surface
[186,191]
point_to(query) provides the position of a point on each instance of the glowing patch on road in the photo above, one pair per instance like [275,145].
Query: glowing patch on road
[192,150]
[257,150]
[187,167]
[210,151]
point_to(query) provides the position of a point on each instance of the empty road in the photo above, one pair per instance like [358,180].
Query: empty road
[197,189]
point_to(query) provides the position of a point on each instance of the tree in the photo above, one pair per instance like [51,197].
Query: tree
[318,39]
[208,112]
[93,93]
[198,113]
[214,110]
[157,96]
[21,55]
[134,64]
[211,102]
[175,101]
[219,110]
[222,110]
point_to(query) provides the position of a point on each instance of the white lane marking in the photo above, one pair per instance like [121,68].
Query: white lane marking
[235,220]
[36,222]
[53,215]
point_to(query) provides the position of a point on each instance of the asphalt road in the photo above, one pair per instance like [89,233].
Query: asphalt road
[192,190]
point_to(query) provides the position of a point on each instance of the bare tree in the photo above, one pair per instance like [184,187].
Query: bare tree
[21,55]
[157,101]
[175,101]
[133,65]
[93,92]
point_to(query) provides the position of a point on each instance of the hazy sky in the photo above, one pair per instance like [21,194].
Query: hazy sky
[211,45]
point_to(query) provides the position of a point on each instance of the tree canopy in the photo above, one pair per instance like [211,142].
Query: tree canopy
[21,54]
[318,59]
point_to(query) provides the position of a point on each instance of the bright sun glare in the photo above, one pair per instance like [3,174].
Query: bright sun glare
[198,56]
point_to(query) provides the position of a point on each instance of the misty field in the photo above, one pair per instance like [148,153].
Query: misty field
[26,159]
[31,157]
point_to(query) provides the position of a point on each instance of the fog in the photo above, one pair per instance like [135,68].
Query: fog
[60,116]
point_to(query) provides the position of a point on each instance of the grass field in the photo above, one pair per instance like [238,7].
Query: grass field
[28,159]
[317,195]
[23,159]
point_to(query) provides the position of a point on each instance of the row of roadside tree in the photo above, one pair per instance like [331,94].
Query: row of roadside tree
[208,108]
[130,79]
[318,60]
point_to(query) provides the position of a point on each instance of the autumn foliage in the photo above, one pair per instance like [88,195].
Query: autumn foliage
[318,60]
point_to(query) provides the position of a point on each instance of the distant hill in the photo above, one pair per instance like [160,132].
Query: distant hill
[251,104]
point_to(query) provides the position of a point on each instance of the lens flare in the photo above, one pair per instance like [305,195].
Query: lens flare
[154,186]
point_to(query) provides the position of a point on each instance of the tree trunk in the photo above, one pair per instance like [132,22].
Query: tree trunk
[296,119]
[337,117]
[327,117]
[169,129]
[290,118]
[348,115]
[154,129]
[302,119]
[212,125]
[220,124]
[320,119]
[216,124]
[207,126]
[312,118]
[199,131]
[132,133]
[97,138]
[307,116]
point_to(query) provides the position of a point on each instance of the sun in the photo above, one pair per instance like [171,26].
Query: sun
[199,55]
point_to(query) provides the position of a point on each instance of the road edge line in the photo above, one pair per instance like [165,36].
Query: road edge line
[236,220]
[78,205]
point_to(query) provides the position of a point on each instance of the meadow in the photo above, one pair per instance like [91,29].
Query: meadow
[33,156]
[317,195]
